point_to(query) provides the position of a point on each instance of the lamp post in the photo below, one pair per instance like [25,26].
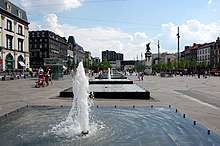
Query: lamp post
[158,51]
[178,47]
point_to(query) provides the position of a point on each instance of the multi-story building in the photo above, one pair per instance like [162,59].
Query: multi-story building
[78,51]
[119,56]
[215,54]
[112,55]
[199,53]
[46,44]
[168,57]
[203,53]
[127,64]
[14,50]
[88,55]
[96,59]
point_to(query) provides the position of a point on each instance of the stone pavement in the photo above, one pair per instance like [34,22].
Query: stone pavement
[199,99]
[15,94]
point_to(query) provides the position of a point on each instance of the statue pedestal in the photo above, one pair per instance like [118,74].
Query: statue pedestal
[148,62]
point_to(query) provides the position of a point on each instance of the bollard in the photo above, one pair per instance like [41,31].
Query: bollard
[184,115]
[176,110]
[61,106]
[133,106]
[97,106]
[115,106]
[151,106]
[27,105]
[208,132]
[169,106]
[194,122]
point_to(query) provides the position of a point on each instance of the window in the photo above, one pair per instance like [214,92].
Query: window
[41,54]
[32,34]
[45,54]
[20,45]
[40,45]
[19,14]
[20,29]
[43,34]
[9,25]
[8,6]
[9,40]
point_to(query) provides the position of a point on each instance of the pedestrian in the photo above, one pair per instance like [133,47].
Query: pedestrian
[40,72]
[46,74]
[142,76]
[139,76]
[50,76]
[30,71]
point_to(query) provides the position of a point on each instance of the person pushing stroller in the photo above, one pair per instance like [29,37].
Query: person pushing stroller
[41,79]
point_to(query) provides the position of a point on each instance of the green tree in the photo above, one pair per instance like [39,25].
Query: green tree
[204,64]
[86,63]
[154,67]
[70,63]
[218,66]
[164,66]
[194,63]
[174,62]
[94,64]
[104,64]
[183,64]
[140,67]
[169,65]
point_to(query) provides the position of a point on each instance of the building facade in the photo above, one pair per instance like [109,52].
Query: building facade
[78,51]
[112,55]
[14,48]
[215,55]
[203,53]
[46,44]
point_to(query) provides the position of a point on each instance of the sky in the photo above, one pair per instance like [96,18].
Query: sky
[126,26]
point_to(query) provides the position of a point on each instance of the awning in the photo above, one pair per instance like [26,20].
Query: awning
[21,63]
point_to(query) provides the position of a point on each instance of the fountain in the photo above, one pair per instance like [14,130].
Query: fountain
[78,117]
[109,73]
[100,125]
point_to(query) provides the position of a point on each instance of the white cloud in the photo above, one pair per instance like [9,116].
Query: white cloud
[48,5]
[97,39]
[192,31]
[210,2]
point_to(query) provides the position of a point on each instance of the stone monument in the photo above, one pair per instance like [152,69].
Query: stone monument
[148,60]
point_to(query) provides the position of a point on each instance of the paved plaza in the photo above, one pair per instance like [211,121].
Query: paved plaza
[199,99]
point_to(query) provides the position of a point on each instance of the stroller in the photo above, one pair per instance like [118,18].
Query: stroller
[40,82]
